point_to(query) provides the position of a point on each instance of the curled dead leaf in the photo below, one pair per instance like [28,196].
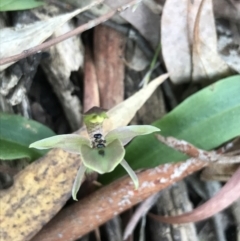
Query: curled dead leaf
[189,41]
[225,197]
[16,40]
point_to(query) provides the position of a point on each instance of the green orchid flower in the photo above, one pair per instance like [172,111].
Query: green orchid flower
[99,153]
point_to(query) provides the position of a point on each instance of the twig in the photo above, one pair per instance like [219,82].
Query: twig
[212,187]
[127,31]
[236,215]
[190,150]
[228,146]
[94,210]
[91,91]
[174,200]
[113,229]
[67,35]
[62,5]
[140,212]
[143,44]
[225,197]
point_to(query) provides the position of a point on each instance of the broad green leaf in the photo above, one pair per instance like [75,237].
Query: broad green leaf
[17,133]
[11,5]
[127,133]
[103,160]
[69,142]
[206,119]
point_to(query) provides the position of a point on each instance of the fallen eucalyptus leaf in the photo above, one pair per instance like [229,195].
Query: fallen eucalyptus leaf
[218,172]
[225,197]
[16,133]
[16,40]
[58,70]
[189,41]
[207,63]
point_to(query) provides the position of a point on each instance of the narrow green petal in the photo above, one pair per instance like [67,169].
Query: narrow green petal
[103,160]
[127,133]
[71,143]
[131,173]
[78,181]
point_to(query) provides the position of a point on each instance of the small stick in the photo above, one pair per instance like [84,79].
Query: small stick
[94,210]
[192,151]
[67,35]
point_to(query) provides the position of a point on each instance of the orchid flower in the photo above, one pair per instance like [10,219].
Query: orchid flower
[98,153]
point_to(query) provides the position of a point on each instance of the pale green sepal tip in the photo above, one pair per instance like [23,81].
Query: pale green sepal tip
[78,181]
[131,173]
[69,142]
[127,133]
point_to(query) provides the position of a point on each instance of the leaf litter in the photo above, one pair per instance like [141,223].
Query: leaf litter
[189,36]
[190,54]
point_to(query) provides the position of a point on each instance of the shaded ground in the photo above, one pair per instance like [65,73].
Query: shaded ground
[108,64]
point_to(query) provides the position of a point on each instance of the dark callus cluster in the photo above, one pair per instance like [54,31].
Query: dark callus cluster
[98,141]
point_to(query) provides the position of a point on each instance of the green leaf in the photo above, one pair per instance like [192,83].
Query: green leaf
[105,159]
[206,119]
[127,133]
[69,142]
[11,5]
[16,133]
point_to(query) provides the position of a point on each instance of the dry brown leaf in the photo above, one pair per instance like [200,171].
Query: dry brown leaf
[42,188]
[175,44]
[207,63]
[225,197]
[91,92]
[16,40]
[142,18]
[228,9]
[189,42]
[64,58]
[109,47]
[219,172]
[135,59]
[69,58]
